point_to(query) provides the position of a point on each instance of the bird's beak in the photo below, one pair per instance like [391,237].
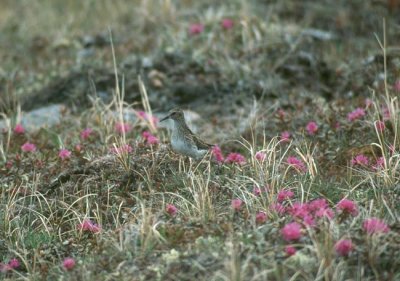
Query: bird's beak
[165,118]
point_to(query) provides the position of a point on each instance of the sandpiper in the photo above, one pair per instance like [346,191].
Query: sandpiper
[183,140]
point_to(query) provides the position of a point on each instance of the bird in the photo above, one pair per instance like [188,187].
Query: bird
[183,140]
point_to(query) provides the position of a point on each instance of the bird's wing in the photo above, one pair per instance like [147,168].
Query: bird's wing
[201,144]
[191,137]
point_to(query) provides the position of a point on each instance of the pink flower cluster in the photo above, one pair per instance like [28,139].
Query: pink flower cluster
[312,128]
[360,160]
[375,225]
[85,134]
[64,154]
[261,217]
[12,264]
[19,129]
[227,23]
[89,226]
[379,164]
[68,263]
[297,164]
[196,28]
[236,204]
[285,137]
[284,195]
[291,232]
[290,250]
[149,138]
[306,213]
[363,161]
[347,206]
[260,156]
[216,151]
[171,210]
[235,158]
[358,113]
[343,247]
[28,147]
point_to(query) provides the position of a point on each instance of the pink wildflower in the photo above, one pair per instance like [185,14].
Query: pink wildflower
[237,158]
[19,129]
[196,28]
[121,127]
[126,148]
[380,163]
[290,250]
[360,160]
[89,226]
[308,220]
[343,247]
[299,210]
[291,231]
[380,126]
[227,23]
[325,213]
[68,263]
[317,204]
[85,134]
[261,217]
[296,164]
[312,128]
[171,209]
[356,114]
[374,225]
[142,114]
[236,204]
[284,195]
[28,147]
[256,191]
[150,139]
[216,151]
[64,154]
[260,156]
[278,208]
[285,136]
[347,206]
[14,263]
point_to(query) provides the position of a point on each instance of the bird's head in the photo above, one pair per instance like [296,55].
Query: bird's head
[174,114]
